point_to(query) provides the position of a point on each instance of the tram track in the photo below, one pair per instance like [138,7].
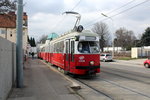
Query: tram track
[112,96]
[109,95]
[135,76]
[91,87]
[127,72]
[123,76]
[129,76]
[127,88]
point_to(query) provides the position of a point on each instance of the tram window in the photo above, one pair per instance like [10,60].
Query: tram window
[94,47]
[72,46]
[83,47]
[55,48]
[61,47]
[88,47]
[67,47]
[58,47]
[72,51]
[51,48]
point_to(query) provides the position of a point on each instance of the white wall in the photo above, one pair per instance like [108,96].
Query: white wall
[137,52]
[134,52]
[116,49]
[7,67]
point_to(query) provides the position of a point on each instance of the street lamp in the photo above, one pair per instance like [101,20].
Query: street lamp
[19,54]
[113,34]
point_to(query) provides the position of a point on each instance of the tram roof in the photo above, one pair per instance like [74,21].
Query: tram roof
[75,33]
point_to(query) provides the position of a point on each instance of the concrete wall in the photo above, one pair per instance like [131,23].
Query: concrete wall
[139,52]
[7,67]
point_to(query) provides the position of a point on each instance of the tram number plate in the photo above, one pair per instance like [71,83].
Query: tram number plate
[81,60]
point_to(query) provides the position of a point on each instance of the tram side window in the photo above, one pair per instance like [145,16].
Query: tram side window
[72,46]
[43,49]
[55,48]
[61,47]
[67,47]
[52,48]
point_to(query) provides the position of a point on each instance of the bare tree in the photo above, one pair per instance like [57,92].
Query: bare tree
[7,6]
[124,38]
[102,30]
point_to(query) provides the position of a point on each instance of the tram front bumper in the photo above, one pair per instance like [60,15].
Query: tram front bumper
[87,67]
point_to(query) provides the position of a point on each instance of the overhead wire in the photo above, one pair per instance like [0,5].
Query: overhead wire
[130,8]
[122,6]
[75,6]
[122,11]
[114,10]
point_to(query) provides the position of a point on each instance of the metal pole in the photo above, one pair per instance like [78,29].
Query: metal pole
[19,53]
[113,47]
[112,33]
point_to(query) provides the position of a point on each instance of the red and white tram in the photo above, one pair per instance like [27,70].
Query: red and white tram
[75,52]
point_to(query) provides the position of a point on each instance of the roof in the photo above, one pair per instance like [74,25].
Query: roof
[9,20]
[52,36]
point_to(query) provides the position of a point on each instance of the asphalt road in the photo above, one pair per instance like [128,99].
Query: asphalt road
[121,81]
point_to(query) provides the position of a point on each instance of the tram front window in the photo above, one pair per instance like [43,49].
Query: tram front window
[88,47]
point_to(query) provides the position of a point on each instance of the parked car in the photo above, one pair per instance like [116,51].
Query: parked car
[147,63]
[105,57]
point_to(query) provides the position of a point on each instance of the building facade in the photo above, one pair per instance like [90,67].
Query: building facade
[8,27]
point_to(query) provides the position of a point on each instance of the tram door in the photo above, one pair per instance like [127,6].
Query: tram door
[67,58]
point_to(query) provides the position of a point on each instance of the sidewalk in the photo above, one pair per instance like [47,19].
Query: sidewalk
[41,83]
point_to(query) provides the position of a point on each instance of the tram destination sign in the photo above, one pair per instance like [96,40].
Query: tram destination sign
[90,38]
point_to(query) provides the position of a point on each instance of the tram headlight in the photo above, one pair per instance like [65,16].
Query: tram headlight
[91,62]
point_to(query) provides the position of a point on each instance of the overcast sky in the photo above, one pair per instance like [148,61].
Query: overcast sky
[45,16]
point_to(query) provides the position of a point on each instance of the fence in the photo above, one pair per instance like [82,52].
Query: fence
[7,67]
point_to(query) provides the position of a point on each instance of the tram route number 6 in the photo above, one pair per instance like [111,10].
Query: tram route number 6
[81,59]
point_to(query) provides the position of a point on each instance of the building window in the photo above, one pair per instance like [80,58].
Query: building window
[2,31]
[10,35]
